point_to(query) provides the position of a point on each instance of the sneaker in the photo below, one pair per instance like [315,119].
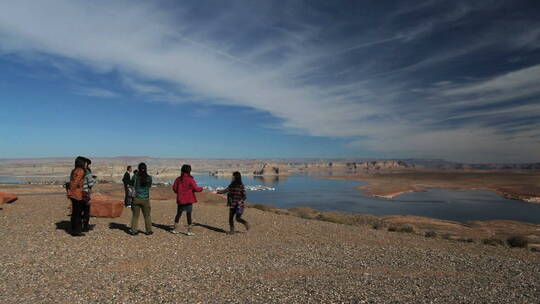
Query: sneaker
[128,206]
[189,232]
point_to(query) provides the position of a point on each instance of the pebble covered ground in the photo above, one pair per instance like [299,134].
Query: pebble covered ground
[282,259]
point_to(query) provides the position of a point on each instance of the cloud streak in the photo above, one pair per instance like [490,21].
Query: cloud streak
[318,77]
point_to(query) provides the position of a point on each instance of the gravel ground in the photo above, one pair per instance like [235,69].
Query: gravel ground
[282,259]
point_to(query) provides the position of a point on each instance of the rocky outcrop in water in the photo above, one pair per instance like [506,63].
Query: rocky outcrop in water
[270,169]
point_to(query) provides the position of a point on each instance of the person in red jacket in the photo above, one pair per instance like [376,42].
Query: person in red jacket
[185,188]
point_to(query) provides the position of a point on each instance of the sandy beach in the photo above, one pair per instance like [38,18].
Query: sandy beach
[282,259]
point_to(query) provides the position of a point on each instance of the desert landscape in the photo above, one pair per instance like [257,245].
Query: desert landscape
[299,255]
[380,151]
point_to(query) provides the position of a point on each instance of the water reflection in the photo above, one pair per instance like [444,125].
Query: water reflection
[269,180]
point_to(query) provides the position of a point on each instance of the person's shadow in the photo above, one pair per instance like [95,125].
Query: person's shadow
[163,227]
[170,228]
[64,225]
[215,229]
[119,226]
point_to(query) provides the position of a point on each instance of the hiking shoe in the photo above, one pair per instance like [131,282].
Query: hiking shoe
[189,232]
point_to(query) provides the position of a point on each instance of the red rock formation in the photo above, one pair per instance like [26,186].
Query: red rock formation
[270,169]
[103,207]
[7,198]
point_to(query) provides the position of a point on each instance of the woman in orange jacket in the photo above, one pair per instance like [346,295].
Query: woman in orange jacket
[75,194]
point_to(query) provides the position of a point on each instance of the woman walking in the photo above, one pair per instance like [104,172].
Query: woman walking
[75,194]
[185,188]
[141,202]
[236,196]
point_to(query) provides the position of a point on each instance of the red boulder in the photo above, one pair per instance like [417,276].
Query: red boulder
[7,198]
[106,207]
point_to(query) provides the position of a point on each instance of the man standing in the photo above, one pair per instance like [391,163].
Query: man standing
[127,180]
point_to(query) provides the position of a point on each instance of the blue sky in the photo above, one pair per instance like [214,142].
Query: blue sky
[458,80]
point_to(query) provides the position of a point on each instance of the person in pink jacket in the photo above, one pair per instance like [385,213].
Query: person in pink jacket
[185,188]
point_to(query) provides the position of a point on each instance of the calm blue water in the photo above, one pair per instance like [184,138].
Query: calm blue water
[457,205]
[9,180]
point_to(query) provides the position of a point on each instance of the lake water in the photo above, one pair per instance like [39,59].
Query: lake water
[9,180]
[321,194]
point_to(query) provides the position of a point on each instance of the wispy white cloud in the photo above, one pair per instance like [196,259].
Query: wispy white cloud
[523,83]
[299,73]
[96,92]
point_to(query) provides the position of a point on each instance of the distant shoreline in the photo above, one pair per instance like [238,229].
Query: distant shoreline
[516,186]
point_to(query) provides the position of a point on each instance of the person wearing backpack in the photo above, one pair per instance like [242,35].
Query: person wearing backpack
[89,182]
[185,187]
[236,197]
[75,194]
[142,182]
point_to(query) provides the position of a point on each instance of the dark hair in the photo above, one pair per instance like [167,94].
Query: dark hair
[186,169]
[80,162]
[87,162]
[142,175]
[237,179]
[128,167]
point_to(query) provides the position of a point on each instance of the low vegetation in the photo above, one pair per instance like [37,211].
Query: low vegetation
[332,219]
[381,224]
[430,234]
[493,242]
[401,228]
[517,241]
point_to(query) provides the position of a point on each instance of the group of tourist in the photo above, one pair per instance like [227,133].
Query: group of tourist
[137,186]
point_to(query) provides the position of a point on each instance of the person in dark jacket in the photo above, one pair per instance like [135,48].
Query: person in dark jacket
[142,182]
[236,197]
[75,194]
[185,188]
[89,182]
[128,184]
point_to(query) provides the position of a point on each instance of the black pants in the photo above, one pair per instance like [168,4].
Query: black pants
[232,213]
[128,201]
[86,216]
[179,210]
[77,208]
